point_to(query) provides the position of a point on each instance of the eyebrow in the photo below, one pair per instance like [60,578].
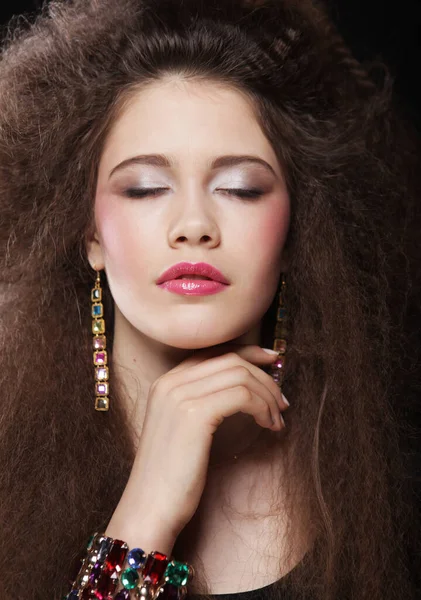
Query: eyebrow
[160,160]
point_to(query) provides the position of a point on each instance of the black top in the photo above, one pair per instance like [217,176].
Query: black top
[263,593]
[259,594]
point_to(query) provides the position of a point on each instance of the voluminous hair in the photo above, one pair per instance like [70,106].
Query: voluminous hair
[65,77]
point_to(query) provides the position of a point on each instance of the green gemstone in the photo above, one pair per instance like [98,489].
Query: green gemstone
[177,573]
[129,578]
[98,326]
[91,539]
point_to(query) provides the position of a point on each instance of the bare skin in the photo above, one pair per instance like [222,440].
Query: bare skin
[240,553]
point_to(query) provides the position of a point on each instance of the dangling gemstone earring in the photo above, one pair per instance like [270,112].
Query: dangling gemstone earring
[99,345]
[280,338]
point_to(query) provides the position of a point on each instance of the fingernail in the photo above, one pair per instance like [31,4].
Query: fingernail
[285,400]
[269,351]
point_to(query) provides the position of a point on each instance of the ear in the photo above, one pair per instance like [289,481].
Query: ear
[94,250]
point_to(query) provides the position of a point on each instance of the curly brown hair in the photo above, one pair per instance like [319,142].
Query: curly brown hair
[63,466]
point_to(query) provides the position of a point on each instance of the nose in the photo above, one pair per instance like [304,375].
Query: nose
[195,222]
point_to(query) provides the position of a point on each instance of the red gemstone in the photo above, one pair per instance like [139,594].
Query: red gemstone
[155,566]
[116,556]
[107,585]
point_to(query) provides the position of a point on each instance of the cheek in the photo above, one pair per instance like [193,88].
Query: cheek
[268,234]
[123,242]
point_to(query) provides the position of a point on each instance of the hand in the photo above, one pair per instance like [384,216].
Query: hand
[185,406]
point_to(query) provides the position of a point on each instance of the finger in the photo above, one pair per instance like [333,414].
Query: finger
[215,364]
[247,351]
[219,405]
[228,378]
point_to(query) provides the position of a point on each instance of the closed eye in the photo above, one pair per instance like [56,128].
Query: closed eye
[142,192]
[250,193]
[241,193]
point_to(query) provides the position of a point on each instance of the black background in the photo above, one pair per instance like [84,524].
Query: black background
[390,31]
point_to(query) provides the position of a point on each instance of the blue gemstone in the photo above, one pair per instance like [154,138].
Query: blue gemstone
[123,595]
[97,310]
[136,558]
[104,548]
[73,595]
[282,313]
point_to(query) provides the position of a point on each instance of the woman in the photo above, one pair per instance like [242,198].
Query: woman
[137,135]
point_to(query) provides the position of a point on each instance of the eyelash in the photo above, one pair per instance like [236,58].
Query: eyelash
[248,194]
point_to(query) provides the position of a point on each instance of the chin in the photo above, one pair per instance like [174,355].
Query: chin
[196,342]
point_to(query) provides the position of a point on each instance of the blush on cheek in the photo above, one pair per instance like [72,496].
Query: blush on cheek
[272,232]
[119,236]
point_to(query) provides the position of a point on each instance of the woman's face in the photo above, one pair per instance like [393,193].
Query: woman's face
[192,217]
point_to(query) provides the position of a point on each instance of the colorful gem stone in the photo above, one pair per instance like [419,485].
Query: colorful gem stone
[95,573]
[99,342]
[100,357]
[91,558]
[117,556]
[279,345]
[104,548]
[101,373]
[91,540]
[177,573]
[281,313]
[102,389]
[136,558]
[279,363]
[101,403]
[129,578]
[97,309]
[106,585]
[123,595]
[277,377]
[155,566]
[96,295]
[74,595]
[98,326]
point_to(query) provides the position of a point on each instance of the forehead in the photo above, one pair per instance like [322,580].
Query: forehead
[186,119]
[182,95]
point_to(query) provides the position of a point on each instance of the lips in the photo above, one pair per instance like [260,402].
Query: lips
[203,270]
[200,277]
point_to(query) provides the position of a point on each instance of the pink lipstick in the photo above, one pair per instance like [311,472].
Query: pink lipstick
[193,279]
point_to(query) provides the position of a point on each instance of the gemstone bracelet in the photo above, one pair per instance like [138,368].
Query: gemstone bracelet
[148,576]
